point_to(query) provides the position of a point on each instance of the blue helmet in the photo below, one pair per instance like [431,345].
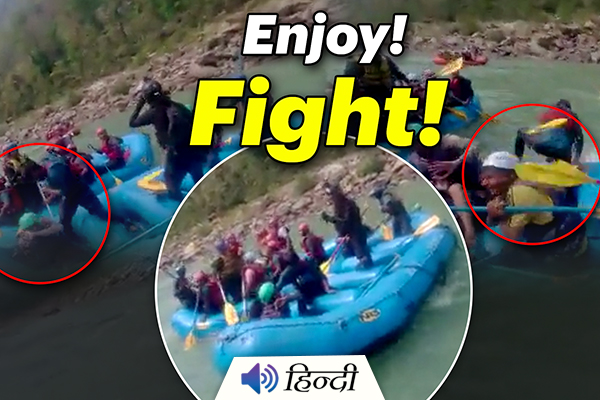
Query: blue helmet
[221,246]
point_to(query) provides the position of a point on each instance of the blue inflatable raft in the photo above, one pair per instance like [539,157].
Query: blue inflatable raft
[183,319]
[367,307]
[140,158]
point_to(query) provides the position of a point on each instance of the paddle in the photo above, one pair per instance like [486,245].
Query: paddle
[559,173]
[555,123]
[325,266]
[41,190]
[231,315]
[452,67]
[117,180]
[190,340]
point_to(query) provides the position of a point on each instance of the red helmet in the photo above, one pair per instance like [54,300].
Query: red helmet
[101,131]
[303,228]
[200,277]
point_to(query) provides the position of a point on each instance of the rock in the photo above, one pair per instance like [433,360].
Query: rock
[202,71]
[546,42]
[594,57]
[496,35]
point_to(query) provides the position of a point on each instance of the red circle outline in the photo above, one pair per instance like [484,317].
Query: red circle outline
[107,222]
[465,160]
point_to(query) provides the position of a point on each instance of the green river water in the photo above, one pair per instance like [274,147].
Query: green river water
[413,367]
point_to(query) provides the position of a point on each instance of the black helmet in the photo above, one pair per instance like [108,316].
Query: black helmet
[152,89]
[564,104]
[180,271]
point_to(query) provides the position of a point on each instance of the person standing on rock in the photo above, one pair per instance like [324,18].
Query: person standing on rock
[173,123]
[347,221]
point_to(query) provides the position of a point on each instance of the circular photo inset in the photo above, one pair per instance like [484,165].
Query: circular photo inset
[263,259]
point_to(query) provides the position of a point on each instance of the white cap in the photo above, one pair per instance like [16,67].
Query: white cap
[502,160]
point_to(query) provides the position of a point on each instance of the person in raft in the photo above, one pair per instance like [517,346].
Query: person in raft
[11,205]
[227,268]
[112,147]
[442,165]
[375,80]
[393,207]
[37,232]
[207,287]
[564,143]
[74,192]
[269,303]
[498,176]
[24,174]
[173,123]
[348,224]
[312,244]
[182,289]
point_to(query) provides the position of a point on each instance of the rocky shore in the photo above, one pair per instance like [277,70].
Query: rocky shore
[575,42]
[287,206]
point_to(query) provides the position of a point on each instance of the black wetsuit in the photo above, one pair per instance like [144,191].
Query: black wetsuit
[394,207]
[173,124]
[348,222]
[184,293]
[75,193]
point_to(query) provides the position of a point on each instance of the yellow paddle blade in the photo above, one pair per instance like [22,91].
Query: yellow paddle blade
[228,140]
[460,114]
[560,174]
[487,116]
[325,267]
[452,67]
[387,232]
[555,123]
[190,341]
[231,315]
[118,181]
[426,226]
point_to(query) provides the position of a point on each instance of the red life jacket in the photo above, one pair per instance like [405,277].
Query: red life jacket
[312,245]
[454,87]
[553,114]
[112,149]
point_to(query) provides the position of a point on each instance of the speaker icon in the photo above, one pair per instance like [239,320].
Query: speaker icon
[268,378]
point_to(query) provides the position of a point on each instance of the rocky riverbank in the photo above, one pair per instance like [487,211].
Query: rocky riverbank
[215,54]
[287,206]
[575,42]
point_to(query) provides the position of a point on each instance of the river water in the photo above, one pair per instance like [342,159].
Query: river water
[506,304]
[411,368]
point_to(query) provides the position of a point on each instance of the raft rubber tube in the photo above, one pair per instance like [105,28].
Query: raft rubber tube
[372,305]
[183,318]
[479,60]
[140,158]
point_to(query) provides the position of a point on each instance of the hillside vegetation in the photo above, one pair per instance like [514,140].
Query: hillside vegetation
[50,47]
